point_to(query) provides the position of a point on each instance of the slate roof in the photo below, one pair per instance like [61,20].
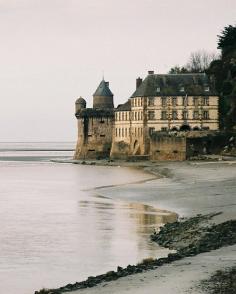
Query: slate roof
[80,100]
[124,107]
[170,84]
[103,90]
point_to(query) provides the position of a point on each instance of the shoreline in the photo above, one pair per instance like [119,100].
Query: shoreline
[170,174]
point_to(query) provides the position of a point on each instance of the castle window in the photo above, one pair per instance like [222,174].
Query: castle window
[150,101]
[174,101]
[125,132]
[163,102]
[102,135]
[185,114]
[195,101]
[174,115]
[164,129]
[151,131]
[116,132]
[185,100]
[135,115]
[126,115]
[151,115]
[122,115]
[122,132]
[141,131]
[205,114]
[206,101]
[195,115]
[119,132]
[141,115]
[164,115]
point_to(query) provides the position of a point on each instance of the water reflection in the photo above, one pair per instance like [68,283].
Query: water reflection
[56,230]
[121,223]
[148,216]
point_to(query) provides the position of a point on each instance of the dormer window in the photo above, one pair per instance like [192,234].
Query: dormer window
[206,88]
[158,89]
[182,89]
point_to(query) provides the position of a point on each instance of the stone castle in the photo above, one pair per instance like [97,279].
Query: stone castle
[159,121]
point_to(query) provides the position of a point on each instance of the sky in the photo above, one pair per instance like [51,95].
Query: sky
[53,51]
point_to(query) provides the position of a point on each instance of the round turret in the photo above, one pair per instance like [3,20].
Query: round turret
[80,104]
[103,97]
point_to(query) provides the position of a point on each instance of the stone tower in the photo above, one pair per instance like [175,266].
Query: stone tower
[103,97]
[95,124]
[80,104]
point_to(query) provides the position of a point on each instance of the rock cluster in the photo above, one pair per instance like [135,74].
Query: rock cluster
[223,282]
[195,236]
[188,237]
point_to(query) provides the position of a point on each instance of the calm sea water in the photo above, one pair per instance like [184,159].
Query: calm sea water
[55,228]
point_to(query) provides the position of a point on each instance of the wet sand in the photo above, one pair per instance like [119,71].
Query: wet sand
[188,189]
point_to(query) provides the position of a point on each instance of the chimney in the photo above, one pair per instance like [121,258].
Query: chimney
[138,82]
[151,72]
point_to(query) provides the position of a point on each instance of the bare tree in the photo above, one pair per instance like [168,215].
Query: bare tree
[200,60]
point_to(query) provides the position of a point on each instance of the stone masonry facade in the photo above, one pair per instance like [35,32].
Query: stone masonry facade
[163,111]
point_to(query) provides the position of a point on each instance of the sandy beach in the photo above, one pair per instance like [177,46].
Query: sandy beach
[188,188]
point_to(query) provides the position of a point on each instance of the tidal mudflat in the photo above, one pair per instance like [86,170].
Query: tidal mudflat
[190,188]
[56,225]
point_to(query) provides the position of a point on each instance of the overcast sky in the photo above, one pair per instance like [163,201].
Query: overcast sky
[53,51]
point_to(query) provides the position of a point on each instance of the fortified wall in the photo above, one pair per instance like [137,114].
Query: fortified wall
[168,117]
[178,147]
[95,125]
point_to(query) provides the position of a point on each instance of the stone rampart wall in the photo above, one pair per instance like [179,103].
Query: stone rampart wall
[166,147]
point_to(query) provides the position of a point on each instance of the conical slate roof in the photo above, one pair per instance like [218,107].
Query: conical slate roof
[80,100]
[103,90]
